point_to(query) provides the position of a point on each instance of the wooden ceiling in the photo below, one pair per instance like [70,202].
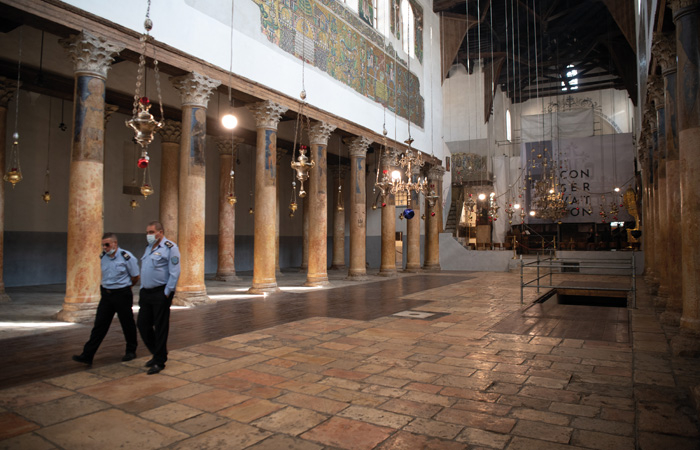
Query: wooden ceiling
[526,45]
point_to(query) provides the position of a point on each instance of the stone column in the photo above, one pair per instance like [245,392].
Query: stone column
[664,49]
[280,153]
[305,233]
[267,115]
[432,222]
[7,91]
[413,228]
[686,16]
[652,178]
[92,57]
[195,90]
[170,177]
[655,90]
[226,267]
[387,267]
[358,209]
[338,259]
[317,274]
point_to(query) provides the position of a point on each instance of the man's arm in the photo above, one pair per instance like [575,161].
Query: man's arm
[173,270]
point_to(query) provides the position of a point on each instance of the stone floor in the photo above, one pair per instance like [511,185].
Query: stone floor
[411,381]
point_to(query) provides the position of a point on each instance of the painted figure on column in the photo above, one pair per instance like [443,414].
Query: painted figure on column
[120,271]
[160,266]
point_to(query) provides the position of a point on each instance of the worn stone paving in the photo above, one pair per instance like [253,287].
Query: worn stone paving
[390,383]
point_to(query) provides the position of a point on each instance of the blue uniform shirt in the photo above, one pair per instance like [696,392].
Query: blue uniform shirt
[117,271]
[161,266]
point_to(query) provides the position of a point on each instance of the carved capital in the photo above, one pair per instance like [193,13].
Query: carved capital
[649,116]
[358,146]
[7,90]
[91,55]
[267,114]
[387,158]
[664,50]
[435,173]
[655,89]
[171,131]
[194,88]
[228,146]
[320,132]
[677,5]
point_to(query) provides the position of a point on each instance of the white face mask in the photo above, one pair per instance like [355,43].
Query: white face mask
[151,238]
[111,252]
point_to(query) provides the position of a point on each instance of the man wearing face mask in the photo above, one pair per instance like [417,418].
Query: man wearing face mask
[119,272]
[160,270]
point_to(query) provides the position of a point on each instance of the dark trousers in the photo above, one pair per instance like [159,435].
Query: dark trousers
[119,301]
[154,321]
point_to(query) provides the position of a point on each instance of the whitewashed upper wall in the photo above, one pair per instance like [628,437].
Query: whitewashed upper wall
[203,29]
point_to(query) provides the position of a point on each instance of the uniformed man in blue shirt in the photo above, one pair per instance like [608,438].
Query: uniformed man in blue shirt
[160,270]
[120,270]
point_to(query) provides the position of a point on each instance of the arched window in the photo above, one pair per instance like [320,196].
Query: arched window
[352,5]
[408,31]
[509,129]
[383,15]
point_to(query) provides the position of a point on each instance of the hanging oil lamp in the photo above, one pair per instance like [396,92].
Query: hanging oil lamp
[146,185]
[14,175]
[134,203]
[231,196]
[302,166]
[142,121]
[340,206]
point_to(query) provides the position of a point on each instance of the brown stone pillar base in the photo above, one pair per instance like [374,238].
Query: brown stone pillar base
[226,277]
[357,276]
[672,318]
[77,312]
[264,288]
[432,268]
[388,274]
[193,298]
[412,269]
[686,346]
[314,281]
[338,267]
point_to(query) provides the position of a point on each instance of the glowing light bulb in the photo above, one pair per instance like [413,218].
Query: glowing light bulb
[482,196]
[532,213]
[617,189]
[229,121]
[516,206]
[395,175]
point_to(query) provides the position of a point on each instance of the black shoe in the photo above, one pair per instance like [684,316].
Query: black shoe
[155,368]
[150,363]
[82,359]
[128,356]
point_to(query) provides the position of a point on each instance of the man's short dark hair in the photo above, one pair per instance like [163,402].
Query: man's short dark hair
[111,236]
[158,225]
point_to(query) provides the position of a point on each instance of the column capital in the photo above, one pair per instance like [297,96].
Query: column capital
[7,90]
[677,5]
[358,146]
[320,132]
[416,169]
[435,173]
[649,115]
[387,158]
[267,114]
[655,90]
[171,131]
[224,144]
[663,48]
[91,55]
[195,88]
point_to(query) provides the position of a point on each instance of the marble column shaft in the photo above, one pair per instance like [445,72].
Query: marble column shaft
[280,153]
[92,57]
[413,229]
[358,209]
[432,222]
[170,136]
[656,93]
[686,16]
[317,273]
[267,116]
[338,257]
[226,260]
[387,267]
[7,91]
[305,233]
[195,90]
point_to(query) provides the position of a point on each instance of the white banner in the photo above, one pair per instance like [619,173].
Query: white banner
[577,123]
[588,169]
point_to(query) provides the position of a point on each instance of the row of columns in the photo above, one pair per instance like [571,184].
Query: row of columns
[183,194]
[670,160]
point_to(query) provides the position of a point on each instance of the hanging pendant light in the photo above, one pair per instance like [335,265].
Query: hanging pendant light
[134,203]
[46,196]
[146,185]
[142,121]
[14,174]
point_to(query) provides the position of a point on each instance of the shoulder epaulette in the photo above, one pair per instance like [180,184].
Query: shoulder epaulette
[126,255]
[168,244]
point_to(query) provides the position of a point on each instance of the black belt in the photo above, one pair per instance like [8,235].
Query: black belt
[154,289]
[114,291]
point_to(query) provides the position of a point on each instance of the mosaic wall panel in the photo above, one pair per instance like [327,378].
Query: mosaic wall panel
[329,36]
[366,10]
